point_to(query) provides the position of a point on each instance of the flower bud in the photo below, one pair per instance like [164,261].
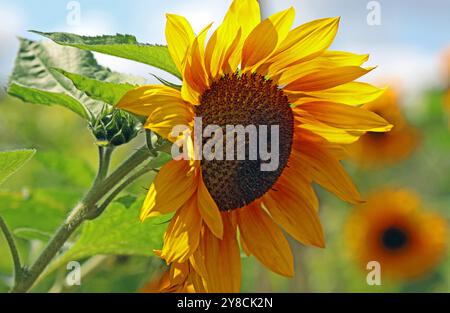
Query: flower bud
[114,127]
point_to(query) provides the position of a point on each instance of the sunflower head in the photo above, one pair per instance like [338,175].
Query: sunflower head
[392,229]
[297,103]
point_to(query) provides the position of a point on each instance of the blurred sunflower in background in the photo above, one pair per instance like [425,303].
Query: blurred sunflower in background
[393,229]
[375,149]
[252,72]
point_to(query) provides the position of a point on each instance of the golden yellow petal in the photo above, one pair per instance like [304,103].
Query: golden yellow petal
[306,121]
[265,38]
[328,60]
[326,170]
[162,105]
[343,58]
[183,233]
[345,117]
[304,43]
[179,36]
[327,78]
[195,77]
[172,187]
[227,40]
[218,261]
[248,15]
[354,93]
[209,210]
[294,213]
[265,240]
[142,100]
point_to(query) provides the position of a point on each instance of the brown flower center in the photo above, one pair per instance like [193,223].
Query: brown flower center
[245,100]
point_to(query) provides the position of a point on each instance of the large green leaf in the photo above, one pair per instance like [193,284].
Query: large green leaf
[123,46]
[11,161]
[118,231]
[35,79]
[107,92]
[36,96]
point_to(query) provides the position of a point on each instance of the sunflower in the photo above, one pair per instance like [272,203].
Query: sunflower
[392,228]
[375,149]
[253,72]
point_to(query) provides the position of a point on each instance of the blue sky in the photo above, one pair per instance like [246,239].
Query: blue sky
[407,46]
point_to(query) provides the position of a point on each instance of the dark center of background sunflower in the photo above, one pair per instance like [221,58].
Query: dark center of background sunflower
[247,99]
[394,238]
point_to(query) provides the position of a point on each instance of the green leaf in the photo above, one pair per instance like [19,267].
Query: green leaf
[167,83]
[118,231]
[11,161]
[107,92]
[123,46]
[36,96]
[34,72]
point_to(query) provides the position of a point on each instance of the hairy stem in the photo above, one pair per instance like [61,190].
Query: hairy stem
[13,248]
[118,190]
[62,234]
[104,154]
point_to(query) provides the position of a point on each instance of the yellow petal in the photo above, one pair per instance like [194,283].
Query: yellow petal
[265,38]
[217,55]
[162,105]
[248,15]
[305,120]
[142,100]
[218,261]
[345,117]
[182,236]
[328,78]
[265,240]
[172,187]
[195,78]
[292,212]
[209,210]
[227,40]
[179,36]
[354,93]
[327,61]
[327,171]
[304,43]
[343,58]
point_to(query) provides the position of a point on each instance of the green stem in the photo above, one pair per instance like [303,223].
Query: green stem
[13,248]
[104,154]
[84,210]
[118,190]
[61,236]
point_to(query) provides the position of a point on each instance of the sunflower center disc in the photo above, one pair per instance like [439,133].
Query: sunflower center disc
[244,100]
[394,238]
